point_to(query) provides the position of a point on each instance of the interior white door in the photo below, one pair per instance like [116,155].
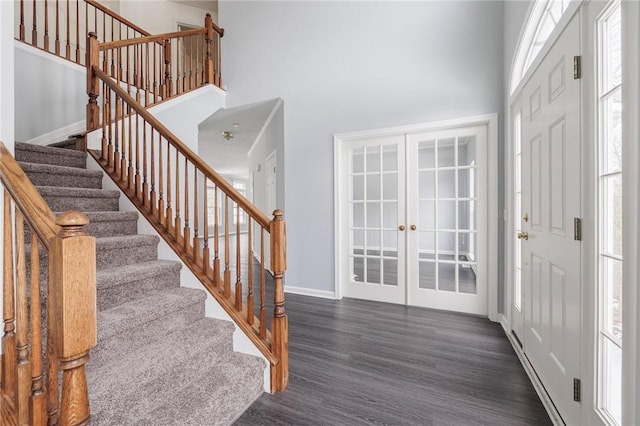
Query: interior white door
[447,217]
[551,143]
[375,226]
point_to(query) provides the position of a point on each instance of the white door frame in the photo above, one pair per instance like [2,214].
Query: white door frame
[494,218]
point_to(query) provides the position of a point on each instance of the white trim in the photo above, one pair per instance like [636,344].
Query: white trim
[265,125]
[631,209]
[303,291]
[59,134]
[504,322]
[185,98]
[535,381]
[488,120]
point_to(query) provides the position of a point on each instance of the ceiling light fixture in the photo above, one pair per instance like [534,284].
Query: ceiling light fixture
[228,135]
[235,125]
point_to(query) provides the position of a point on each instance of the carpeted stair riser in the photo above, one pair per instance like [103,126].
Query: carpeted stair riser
[132,282]
[84,200]
[132,325]
[47,155]
[125,250]
[66,177]
[178,375]
[105,224]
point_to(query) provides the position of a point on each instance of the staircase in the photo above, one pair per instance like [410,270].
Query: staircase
[158,360]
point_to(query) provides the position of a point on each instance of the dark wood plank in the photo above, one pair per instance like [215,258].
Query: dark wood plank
[360,362]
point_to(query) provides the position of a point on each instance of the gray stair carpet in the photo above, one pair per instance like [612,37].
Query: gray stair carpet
[159,360]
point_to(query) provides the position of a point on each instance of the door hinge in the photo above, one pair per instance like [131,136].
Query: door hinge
[577,229]
[577,67]
[576,390]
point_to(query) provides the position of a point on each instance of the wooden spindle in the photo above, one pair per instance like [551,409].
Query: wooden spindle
[161,211]
[105,120]
[155,73]
[108,155]
[53,394]
[137,179]
[57,42]
[93,82]
[238,289]
[78,31]
[178,220]
[147,86]
[22,324]
[280,322]
[68,45]
[182,80]
[9,373]
[205,251]
[46,25]
[196,242]
[130,174]
[250,302]
[21,26]
[186,233]
[38,402]
[72,263]
[169,214]
[104,25]
[227,271]
[145,165]
[216,242]
[116,149]
[166,93]
[34,31]
[263,289]
[208,61]
[152,195]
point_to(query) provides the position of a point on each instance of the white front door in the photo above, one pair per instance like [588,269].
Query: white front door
[415,219]
[551,144]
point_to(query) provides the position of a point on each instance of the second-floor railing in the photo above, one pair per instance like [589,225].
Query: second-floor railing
[49,312]
[61,26]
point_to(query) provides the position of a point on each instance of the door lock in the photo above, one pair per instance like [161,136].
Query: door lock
[526,217]
[523,235]
[401,227]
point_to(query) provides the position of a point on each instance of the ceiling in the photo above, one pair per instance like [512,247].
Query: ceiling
[230,157]
[208,5]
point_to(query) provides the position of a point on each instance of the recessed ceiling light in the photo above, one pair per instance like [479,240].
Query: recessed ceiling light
[236,125]
[227,134]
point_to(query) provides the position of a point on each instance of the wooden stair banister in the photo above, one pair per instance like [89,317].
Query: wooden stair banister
[71,305]
[164,179]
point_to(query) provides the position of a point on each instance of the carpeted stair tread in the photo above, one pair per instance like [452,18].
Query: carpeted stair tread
[83,199]
[61,176]
[112,223]
[123,284]
[137,313]
[49,155]
[190,377]
[125,250]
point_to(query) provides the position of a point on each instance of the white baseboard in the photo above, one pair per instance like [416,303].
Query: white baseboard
[553,413]
[310,292]
[504,322]
[59,134]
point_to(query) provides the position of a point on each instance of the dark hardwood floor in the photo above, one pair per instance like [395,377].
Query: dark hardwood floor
[356,362]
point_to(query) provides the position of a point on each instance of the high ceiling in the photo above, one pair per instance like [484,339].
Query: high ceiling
[210,5]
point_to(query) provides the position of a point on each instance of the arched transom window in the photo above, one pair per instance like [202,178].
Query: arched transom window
[543,18]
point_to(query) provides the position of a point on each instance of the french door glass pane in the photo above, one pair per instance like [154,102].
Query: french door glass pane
[446,215]
[427,184]
[427,271]
[612,215]
[447,276]
[446,184]
[446,153]
[612,146]
[466,151]
[426,215]
[390,186]
[466,278]
[389,158]
[373,159]
[390,267]
[427,155]
[612,312]
[357,160]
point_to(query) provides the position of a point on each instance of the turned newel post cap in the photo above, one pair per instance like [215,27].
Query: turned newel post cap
[92,35]
[278,214]
[208,15]
[72,223]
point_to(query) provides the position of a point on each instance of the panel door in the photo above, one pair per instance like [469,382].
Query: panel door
[447,217]
[376,213]
[551,199]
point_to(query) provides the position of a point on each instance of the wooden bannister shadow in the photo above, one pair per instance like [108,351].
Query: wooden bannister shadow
[70,305]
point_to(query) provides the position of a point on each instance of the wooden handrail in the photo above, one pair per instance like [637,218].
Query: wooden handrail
[70,305]
[245,204]
[35,209]
[151,38]
[117,17]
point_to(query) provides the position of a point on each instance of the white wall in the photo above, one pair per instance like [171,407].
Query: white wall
[347,66]
[52,92]
[161,16]
[6,86]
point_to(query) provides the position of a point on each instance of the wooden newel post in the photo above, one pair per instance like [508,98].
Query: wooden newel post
[280,324]
[72,271]
[208,65]
[93,83]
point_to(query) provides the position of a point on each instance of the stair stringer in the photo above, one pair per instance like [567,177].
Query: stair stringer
[241,342]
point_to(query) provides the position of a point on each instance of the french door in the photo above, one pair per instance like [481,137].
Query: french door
[415,213]
[547,303]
